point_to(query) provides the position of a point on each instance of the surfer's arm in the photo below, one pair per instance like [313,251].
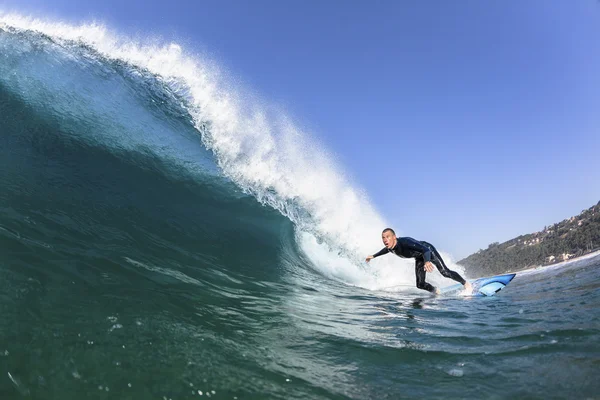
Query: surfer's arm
[381,252]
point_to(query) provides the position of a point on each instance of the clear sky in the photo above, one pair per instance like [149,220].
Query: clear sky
[466,122]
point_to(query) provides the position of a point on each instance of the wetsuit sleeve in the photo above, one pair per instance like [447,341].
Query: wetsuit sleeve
[416,246]
[381,252]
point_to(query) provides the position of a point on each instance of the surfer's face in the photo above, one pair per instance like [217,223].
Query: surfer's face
[389,239]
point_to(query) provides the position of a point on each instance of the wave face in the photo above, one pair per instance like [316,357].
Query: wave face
[156,99]
[165,234]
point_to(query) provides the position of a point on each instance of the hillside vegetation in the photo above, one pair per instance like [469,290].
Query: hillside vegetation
[570,238]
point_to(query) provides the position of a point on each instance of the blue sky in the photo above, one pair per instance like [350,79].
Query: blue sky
[466,122]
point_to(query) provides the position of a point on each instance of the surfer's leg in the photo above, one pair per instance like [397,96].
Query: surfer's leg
[420,273]
[444,270]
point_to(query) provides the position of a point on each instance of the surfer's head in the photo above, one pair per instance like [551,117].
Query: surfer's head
[389,237]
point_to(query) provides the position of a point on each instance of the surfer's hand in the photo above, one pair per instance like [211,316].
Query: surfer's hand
[369,258]
[428,266]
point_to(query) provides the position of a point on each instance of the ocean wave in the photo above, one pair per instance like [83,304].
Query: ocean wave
[158,99]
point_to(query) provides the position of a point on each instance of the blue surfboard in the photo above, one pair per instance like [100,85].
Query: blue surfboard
[484,286]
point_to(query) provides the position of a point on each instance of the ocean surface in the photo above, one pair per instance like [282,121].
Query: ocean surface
[165,234]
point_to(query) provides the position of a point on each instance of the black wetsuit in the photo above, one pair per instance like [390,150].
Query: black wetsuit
[422,252]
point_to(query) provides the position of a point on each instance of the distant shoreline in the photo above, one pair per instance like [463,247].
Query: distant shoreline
[559,264]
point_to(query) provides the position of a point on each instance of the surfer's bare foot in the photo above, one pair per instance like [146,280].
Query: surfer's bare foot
[468,287]
[438,291]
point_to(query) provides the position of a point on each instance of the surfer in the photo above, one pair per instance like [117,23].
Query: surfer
[425,256]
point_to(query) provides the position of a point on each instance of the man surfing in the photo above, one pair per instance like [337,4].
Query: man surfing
[425,256]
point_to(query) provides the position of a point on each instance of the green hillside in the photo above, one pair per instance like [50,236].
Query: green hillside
[570,238]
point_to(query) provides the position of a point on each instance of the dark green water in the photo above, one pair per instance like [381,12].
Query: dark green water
[132,268]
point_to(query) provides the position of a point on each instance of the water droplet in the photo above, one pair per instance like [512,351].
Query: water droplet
[129,384]
[13,379]
[200,392]
[521,311]
[456,372]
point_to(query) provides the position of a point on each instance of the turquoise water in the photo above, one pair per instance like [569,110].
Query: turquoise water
[135,264]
